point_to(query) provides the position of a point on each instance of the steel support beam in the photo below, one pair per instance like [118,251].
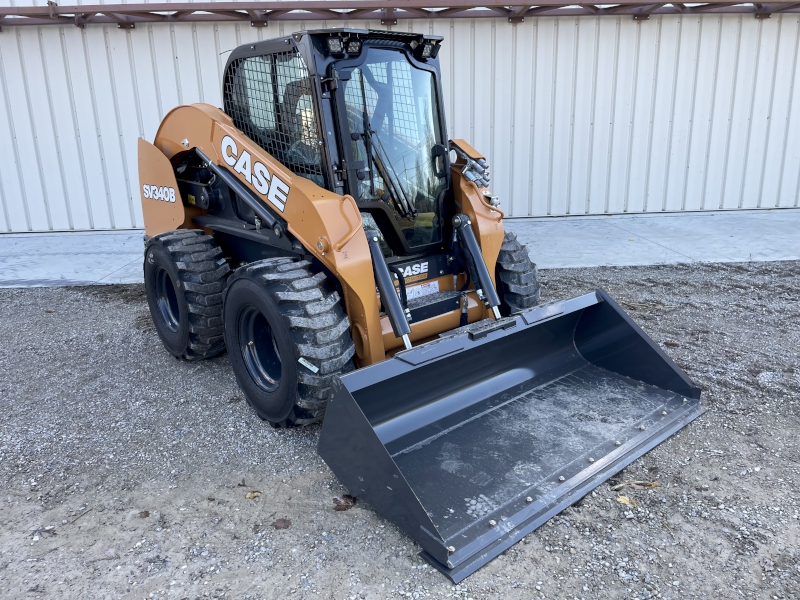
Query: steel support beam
[387,11]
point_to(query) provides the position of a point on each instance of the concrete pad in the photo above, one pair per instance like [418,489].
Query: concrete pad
[665,238]
[782,214]
[583,242]
[106,257]
[67,258]
[133,272]
[721,237]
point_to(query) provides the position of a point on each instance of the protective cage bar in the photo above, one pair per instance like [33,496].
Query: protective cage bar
[258,14]
[269,97]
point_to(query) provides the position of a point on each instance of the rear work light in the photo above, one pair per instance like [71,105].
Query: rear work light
[426,50]
[335,45]
[353,46]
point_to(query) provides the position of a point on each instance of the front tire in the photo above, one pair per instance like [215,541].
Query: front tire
[517,277]
[184,274]
[287,337]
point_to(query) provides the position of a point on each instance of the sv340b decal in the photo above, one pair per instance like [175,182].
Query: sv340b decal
[154,192]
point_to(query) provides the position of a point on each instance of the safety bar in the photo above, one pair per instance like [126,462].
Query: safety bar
[354,229]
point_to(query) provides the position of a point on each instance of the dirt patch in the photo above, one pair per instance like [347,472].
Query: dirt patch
[144,323]
[127,294]
[282,524]
[98,422]
[345,503]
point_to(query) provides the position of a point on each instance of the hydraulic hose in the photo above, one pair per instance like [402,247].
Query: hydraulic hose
[402,281]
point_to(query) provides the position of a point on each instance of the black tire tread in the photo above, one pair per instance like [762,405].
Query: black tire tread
[318,325]
[203,273]
[517,276]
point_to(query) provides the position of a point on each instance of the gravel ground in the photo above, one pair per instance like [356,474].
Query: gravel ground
[125,473]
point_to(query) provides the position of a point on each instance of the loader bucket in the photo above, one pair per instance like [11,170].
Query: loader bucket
[472,441]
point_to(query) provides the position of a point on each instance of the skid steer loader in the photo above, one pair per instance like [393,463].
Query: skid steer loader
[352,260]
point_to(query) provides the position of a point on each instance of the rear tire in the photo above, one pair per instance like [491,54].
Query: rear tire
[517,277]
[184,274]
[283,322]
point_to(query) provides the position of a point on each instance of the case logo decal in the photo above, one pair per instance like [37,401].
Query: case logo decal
[272,187]
[416,272]
[154,192]
[416,269]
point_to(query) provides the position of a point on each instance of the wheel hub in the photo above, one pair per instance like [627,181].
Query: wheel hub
[259,349]
[166,300]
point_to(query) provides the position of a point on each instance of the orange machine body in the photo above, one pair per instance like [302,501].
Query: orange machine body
[328,225]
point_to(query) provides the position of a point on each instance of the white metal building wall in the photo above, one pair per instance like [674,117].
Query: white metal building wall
[576,115]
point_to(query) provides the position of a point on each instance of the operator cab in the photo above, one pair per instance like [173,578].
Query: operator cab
[357,112]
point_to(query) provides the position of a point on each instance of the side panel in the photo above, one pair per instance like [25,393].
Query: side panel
[68,80]
[161,203]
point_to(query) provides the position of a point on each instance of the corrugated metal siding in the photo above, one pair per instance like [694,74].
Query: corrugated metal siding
[576,115]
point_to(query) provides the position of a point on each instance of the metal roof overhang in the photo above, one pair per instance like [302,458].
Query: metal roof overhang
[259,14]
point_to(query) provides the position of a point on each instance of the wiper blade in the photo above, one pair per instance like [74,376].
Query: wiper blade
[397,192]
[377,154]
[366,136]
